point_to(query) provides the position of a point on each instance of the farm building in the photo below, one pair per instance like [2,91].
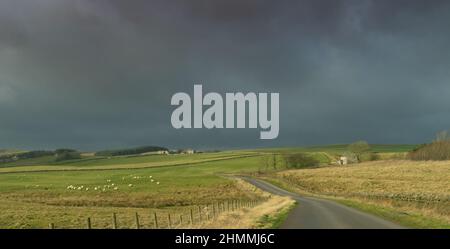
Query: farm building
[343,160]
[188,151]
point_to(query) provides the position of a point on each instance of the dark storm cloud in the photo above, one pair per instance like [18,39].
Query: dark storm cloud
[96,74]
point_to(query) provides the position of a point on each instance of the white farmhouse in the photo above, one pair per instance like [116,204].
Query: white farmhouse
[343,160]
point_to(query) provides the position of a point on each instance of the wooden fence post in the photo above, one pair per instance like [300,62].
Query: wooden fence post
[89,223]
[181,219]
[114,220]
[155,220]
[51,226]
[138,226]
[192,218]
[200,213]
[170,221]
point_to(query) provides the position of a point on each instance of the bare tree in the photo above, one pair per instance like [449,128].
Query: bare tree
[442,136]
[274,161]
[359,148]
[266,162]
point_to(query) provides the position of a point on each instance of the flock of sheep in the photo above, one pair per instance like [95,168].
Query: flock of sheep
[110,185]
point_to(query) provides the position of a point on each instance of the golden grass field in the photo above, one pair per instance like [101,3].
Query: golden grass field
[421,187]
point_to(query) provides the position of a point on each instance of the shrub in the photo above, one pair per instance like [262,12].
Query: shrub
[60,151]
[359,148]
[34,154]
[369,157]
[67,156]
[300,160]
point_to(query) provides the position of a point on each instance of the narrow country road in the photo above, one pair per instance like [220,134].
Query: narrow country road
[320,213]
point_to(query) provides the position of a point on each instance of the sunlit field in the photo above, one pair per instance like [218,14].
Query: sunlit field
[421,187]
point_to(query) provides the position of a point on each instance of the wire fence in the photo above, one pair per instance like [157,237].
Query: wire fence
[189,218]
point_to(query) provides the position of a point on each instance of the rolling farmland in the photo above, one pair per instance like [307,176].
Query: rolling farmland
[37,192]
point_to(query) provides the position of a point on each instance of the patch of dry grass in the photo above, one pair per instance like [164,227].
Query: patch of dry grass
[249,217]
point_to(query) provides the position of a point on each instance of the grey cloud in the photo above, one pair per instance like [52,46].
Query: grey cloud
[99,74]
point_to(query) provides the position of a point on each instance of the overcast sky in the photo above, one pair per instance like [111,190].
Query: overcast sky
[100,74]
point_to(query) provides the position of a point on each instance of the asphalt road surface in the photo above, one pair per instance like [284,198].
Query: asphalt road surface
[316,213]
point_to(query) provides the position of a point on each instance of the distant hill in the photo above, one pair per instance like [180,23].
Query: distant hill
[9,151]
[130,151]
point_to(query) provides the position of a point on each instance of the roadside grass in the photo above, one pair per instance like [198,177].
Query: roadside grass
[250,217]
[274,221]
[407,219]
[268,214]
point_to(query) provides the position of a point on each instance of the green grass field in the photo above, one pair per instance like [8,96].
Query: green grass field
[118,190]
